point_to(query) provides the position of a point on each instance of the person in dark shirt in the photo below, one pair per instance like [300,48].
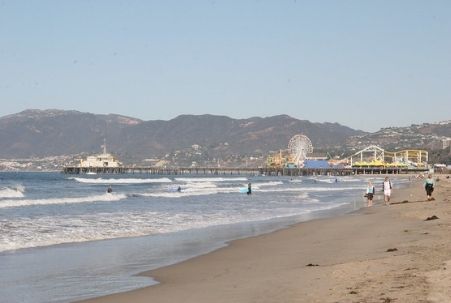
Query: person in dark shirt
[429,187]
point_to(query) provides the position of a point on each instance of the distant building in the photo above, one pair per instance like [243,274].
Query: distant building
[101,160]
[316,164]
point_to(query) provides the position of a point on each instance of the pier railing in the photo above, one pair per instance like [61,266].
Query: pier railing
[261,171]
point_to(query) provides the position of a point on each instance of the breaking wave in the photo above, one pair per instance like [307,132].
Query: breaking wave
[12,192]
[210,179]
[121,181]
[88,199]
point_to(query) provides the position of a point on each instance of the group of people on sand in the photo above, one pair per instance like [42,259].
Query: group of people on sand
[387,189]
[371,191]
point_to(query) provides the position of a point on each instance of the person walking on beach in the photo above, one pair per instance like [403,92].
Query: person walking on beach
[369,194]
[429,187]
[387,191]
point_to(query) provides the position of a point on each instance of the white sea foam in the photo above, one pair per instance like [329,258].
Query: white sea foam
[209,188]
[12,192]
[265,184]
[200,185]
[121,181]
[29,226]
[296,181]
[46,231]
[24,232]
[191,189]
[348,179]
[64,200]
[190,180]
[326,180]
[303,196]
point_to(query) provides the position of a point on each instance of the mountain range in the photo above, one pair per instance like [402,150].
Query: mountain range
[44,133]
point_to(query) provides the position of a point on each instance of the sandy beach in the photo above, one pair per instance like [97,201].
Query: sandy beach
[377,254]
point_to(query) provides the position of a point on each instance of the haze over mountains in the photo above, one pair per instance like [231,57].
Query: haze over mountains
[55,132]
[43,133]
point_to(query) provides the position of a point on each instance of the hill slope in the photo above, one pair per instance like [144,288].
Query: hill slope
[41,133]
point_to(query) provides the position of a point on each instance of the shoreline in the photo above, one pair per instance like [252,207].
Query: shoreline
[374,254]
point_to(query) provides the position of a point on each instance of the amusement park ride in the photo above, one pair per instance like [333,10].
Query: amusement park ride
[298,148]
[372,156]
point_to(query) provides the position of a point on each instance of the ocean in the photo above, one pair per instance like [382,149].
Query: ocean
[64,238]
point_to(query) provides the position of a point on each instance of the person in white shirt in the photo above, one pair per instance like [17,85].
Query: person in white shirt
[387,190]
[369,194]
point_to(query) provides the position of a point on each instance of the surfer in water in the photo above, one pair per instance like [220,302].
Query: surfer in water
[109,189]
[249,189]
[179,189]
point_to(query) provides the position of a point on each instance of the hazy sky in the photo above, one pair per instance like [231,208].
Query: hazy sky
[364,64]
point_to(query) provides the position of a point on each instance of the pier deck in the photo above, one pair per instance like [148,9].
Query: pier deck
[263,171]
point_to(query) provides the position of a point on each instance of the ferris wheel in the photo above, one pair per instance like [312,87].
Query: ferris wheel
[299,146]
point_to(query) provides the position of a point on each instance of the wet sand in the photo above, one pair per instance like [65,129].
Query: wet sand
[378,254]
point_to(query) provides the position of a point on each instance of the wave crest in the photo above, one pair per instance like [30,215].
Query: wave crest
[121,181]
[88,199]
[189,180]
[12,192]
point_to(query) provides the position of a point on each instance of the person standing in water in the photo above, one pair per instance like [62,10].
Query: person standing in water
[387,190]
[249,189]
[369,194]
[429,187]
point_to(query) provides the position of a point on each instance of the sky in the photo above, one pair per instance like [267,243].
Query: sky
[363,64]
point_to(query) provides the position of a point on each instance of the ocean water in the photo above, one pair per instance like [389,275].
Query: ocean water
[63,237]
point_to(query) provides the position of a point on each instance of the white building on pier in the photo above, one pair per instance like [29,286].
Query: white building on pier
[100,160]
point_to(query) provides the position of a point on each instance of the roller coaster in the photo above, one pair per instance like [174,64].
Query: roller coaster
[374,156]
[300,146]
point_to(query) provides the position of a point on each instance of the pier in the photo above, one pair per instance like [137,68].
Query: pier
[256,171]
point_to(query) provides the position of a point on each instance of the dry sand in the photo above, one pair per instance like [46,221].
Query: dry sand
[378,254]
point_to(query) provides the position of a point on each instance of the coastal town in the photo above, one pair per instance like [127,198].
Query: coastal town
[225,151]
[396,139]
